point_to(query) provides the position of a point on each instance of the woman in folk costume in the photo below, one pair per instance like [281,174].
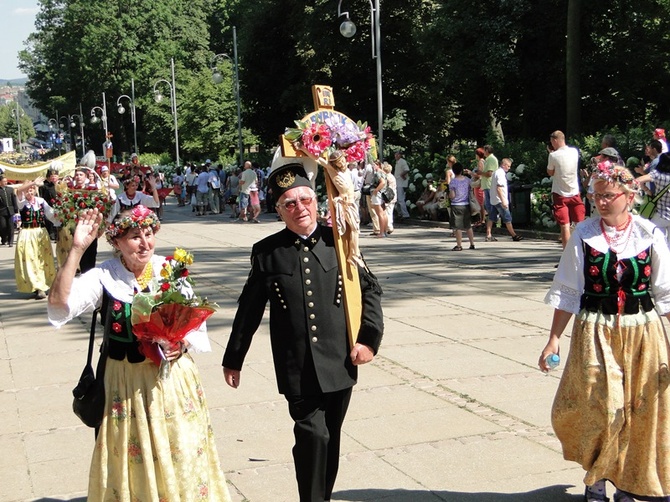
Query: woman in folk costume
[34,267]
[612,406]
[155,442]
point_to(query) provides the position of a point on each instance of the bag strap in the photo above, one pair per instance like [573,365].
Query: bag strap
[91,340]
[660,194]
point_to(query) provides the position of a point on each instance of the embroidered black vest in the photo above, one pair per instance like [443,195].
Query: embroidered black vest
[615,286]
[31,217]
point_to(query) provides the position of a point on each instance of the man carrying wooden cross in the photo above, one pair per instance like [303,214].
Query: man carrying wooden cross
[297,271]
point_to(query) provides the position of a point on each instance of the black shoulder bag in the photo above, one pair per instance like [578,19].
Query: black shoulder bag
[89,394]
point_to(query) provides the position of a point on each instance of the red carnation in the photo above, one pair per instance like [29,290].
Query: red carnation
[184,273]
[165,286]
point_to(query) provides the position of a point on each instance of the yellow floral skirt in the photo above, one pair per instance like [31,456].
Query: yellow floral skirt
[34,266]
[612,406]
[155,443]
[63,245]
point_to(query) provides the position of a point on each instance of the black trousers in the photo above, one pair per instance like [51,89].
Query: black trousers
[317,430]
[7,229]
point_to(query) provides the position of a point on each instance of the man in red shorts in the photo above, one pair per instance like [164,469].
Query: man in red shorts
[563,166]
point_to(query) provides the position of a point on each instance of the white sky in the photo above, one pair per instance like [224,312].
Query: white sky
[17,21]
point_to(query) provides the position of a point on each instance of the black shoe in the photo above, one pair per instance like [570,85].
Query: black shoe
[40,295]
[517,238]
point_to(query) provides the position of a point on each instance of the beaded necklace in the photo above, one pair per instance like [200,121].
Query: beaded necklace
[617,238]
[144,280]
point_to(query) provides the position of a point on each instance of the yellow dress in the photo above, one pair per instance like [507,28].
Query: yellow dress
[156,442]
[612,406]
[34,266]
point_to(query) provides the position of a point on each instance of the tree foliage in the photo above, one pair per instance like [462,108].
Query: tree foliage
[8,124]
[453,70]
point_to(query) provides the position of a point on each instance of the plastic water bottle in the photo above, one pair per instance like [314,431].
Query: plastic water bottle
[553,360]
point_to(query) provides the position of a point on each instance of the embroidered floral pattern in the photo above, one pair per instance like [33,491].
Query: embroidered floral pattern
[134,451]
[203,490]
[119,411]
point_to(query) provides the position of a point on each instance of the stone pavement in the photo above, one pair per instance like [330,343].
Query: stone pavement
[452,409]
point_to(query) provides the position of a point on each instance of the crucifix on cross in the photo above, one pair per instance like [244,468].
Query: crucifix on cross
[332,140]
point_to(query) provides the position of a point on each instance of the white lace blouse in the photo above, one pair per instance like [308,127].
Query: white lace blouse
[87,290]
[566,290]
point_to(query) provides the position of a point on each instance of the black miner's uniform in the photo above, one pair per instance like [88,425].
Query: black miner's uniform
[301,279]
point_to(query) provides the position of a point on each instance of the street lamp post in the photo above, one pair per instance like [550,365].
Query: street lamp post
[64,122]
[53,123]
[217,78]
[80,120]
[122,110]
[348,30]
[173,99]
[103,116]
[94,119]
[17,114]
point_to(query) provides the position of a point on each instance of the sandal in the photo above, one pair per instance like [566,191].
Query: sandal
[594,497]
[491,239]
[457,248]
[472,246]
[517,238]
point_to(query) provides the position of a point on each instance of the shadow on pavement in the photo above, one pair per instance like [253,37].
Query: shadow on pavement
[557,493]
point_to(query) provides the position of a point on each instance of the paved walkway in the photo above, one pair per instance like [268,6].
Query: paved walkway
[452,409]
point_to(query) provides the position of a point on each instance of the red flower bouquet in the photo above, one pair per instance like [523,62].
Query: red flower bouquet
[71,202]
[162,317]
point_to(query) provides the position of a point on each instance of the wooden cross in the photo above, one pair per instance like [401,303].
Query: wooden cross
[324,106]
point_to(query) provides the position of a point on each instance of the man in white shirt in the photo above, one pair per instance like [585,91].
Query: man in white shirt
[202,191]
[563,166]
[499,196]
[401,174]
[248,180]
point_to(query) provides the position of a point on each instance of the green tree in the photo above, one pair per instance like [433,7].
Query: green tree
[8,125]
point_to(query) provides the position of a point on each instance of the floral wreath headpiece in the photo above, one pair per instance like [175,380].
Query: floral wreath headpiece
[138,217]
[613,173]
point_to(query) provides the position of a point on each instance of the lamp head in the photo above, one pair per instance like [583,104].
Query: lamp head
[348,28]
[94,119]
[72,124]
[158,97]
[121,109]
[217,78]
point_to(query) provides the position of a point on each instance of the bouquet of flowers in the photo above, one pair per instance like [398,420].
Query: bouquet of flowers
[70,203]
[164,315]
[331,135]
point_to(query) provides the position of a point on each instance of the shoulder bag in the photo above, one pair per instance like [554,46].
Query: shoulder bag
[388,194]
[89,394]
[648,209]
